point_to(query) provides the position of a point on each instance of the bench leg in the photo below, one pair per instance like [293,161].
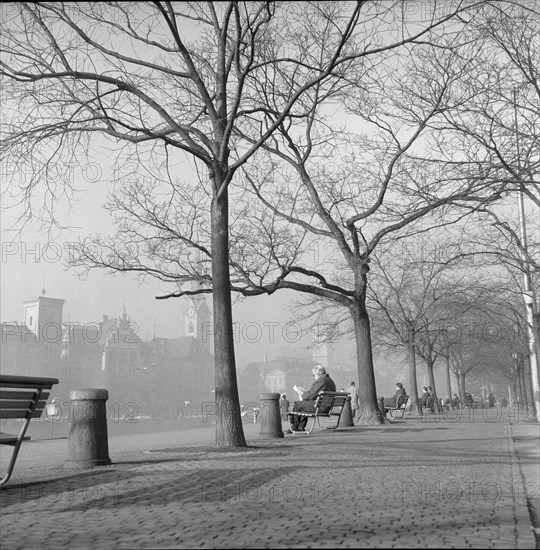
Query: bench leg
[306,431]
[17,446]
[315,421]
[15,453]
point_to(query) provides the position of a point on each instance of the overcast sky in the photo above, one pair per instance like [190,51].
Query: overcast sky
[34,259]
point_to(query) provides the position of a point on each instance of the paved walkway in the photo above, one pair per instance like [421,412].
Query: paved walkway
[453,484]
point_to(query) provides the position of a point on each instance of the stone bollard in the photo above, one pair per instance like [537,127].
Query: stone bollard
[346,419]
[88,443]
[270,417]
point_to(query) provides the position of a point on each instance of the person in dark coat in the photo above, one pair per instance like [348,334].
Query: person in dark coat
[322,382]
[284,406]
[424,398]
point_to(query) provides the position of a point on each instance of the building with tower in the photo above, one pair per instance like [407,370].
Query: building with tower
[198,321]
[157,377]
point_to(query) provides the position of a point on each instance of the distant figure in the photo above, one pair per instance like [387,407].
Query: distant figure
[431,393]
[491,401]
[456,402]
[469,400]
[392,401]
[353,391]
[322,382]
[504,402]
[283,406]
[424,397]
[400,390]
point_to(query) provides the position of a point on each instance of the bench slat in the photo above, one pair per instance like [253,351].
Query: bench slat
[9,439]
[12,413]
[21,405]
[26,395]
[12,381]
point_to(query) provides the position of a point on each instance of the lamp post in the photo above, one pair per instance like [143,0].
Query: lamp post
[52,413]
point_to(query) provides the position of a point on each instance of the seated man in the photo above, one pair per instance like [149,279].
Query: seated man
[323,382]
[392,401]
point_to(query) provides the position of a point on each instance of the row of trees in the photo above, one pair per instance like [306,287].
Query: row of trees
[350,126]
[445,306]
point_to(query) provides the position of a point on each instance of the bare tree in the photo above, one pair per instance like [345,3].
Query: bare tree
[165,80]
[421,284]
[380,189]
[495,132]
[255,78]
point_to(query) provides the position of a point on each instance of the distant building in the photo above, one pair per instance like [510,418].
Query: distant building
[156,377]
[33,347]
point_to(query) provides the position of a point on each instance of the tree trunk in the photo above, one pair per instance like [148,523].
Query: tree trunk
[448,381]
[460,391]
[229,430]
[413,387]
[436,403]
[368,411]
[462,386]
[522,399]
[529,395]
[513,389]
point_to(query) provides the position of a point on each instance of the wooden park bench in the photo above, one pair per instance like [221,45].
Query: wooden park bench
[21,397]
[330,401]
[398,409]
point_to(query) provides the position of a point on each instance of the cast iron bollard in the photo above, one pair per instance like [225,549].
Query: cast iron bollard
[380,402]
[346,419]
[270,416]
[88,443]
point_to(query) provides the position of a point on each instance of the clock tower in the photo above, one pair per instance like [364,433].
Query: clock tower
[198,321]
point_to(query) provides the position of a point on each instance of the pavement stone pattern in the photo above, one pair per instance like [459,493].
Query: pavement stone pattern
[426,482]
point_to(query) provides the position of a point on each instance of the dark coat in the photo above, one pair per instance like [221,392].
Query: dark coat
[400,391]
[324,383]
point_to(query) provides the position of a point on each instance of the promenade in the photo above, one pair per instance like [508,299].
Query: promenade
[467,482]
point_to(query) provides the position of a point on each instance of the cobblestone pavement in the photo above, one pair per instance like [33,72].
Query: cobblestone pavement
[454,483]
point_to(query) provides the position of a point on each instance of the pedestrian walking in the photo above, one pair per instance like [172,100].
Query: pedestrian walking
[283,406]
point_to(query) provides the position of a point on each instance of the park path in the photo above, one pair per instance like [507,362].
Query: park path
[453,483]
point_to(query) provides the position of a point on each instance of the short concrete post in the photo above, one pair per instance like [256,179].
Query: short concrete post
[346,419]
[88,443]
[270,417]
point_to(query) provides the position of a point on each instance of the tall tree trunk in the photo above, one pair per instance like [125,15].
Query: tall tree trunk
[436,403]
[522,394]
[229,430]
[513,392]
[448,381]
[413,387]
[368,411]
[462,385]
[460,391]
[529,394]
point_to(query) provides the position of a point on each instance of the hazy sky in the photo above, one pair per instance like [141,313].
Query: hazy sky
[34,259]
